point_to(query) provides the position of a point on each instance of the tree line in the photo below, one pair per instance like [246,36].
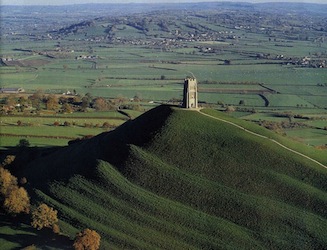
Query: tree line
[67,104]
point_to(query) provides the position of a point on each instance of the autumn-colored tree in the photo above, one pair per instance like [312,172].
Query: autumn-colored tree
[100,104]
[11,100]
[22,181]
[87,240]
[17,201]
[56,228]
[67,108]
[8,160]
[120,99]
[8,182]
[85,103]
[52,102]
[36,99]
[67,124]
[230,109]
[106,125]
[44,216]
[77,98]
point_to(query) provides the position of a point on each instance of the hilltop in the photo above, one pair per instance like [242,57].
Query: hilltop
[176,179]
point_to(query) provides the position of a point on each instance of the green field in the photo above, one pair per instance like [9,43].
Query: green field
[133,70]
[41,131]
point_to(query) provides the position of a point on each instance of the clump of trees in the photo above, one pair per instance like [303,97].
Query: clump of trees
[101,104]
[15,199]
[45,216]
[87,239]
[66,103]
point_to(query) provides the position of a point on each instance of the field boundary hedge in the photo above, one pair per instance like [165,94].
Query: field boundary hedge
[38,136]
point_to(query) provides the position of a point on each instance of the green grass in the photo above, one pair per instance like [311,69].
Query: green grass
[138,62]
[287,100]
[175,179]
[45,135]
[300,147]
[37,128]
[15,235]
[78,118]
[250,100]
[314,137]
[12,141]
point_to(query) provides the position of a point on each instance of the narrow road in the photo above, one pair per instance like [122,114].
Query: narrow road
[265,137]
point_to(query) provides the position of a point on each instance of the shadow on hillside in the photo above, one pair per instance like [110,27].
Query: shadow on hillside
[26,154]
[41,165]
[15,232]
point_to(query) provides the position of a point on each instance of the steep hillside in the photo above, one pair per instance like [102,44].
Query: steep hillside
[176,179]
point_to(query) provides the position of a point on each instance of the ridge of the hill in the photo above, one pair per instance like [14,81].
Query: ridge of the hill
[176,179]
[81,157]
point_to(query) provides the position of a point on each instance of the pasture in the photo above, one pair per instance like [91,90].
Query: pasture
[247,70]
[56,130]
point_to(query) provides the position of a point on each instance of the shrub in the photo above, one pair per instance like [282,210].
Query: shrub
[17,201]
[67,124]
[23,143]
[56,228]
[87,239]
[31,247]
[8,160]
[242,102]
[86,137]
[7,181]
[44,216]
[106,125]
[230,109]
[23,181]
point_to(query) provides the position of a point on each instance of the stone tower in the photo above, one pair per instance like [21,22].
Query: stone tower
[190,94]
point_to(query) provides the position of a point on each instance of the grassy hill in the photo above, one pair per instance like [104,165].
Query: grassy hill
[176,179]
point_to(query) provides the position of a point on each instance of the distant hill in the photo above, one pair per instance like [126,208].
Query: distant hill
[176,179]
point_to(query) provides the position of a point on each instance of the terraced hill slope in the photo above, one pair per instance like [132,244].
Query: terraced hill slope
[175,179]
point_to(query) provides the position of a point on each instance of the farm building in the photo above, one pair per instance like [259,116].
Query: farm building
[11,90]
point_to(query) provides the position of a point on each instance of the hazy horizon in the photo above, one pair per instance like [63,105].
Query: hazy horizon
[71,2]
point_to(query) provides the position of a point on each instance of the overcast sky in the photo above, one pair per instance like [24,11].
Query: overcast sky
[62,2]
